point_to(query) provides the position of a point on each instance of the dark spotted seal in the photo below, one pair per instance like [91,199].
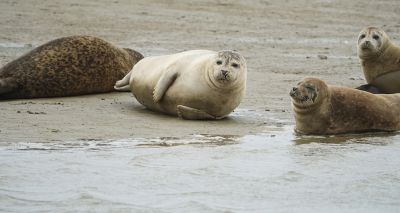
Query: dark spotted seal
[66,66]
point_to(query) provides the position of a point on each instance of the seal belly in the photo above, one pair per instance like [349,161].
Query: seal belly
[197,96]
[388,82]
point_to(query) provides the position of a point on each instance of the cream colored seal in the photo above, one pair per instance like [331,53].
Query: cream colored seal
[196,84]
[380,60]
[74,65]
[322,109]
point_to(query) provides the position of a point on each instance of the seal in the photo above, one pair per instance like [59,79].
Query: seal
[67,66]
[195,85]
[322,109]
[380,61]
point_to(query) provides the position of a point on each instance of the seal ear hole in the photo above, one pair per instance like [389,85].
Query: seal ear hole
[235,65]
[376,37]
[219,62]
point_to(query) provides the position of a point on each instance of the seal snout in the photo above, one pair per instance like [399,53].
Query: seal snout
[293,92]
[369,45]
[224,73]
[366,45]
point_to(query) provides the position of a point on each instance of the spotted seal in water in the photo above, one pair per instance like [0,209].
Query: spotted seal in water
[323,109]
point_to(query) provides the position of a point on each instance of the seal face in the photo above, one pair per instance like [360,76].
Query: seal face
[379,57]
[372,42]
[196,84]
[305,94]
[74,65]
[323,109]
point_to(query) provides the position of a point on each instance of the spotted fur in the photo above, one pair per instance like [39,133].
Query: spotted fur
[68,66]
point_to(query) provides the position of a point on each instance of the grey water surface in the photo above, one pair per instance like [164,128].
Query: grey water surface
[275,171]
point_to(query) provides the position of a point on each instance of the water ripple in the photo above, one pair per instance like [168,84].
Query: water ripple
[276,170]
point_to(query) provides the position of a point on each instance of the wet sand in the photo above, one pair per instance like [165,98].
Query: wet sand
[281,40]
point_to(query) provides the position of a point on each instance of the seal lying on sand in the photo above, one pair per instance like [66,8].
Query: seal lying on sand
[66,66]
[380,60]
[197,84]
[322,109]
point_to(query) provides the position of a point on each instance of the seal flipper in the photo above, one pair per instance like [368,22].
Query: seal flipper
[369,88]
[165,81]
[189,113]
[123,84]
[7,85]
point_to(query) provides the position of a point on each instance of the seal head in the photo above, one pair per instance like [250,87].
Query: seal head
[227,69]
[372,42]
[308,93]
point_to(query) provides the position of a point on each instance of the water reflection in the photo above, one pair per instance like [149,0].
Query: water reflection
[377,138]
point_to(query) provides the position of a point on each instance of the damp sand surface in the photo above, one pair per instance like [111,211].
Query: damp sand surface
[106,152]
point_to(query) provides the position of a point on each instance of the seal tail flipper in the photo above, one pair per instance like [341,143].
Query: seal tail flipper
[189,113]
[134,54]
[123,84]
[7,85]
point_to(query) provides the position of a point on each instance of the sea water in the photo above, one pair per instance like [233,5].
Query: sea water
[276,171]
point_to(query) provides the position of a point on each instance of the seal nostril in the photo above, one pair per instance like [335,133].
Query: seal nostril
[224,72]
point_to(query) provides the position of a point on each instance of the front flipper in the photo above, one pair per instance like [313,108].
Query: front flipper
[369,88]
[123,84]
[165,81]
[7,85]
[189,113]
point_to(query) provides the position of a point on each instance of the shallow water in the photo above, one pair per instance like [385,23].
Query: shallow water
[270,172]
[15,45]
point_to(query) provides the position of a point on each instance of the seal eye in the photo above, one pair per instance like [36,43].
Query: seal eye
[219,62]
[362,36]
[310,88]
[376,37]
[235,65]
